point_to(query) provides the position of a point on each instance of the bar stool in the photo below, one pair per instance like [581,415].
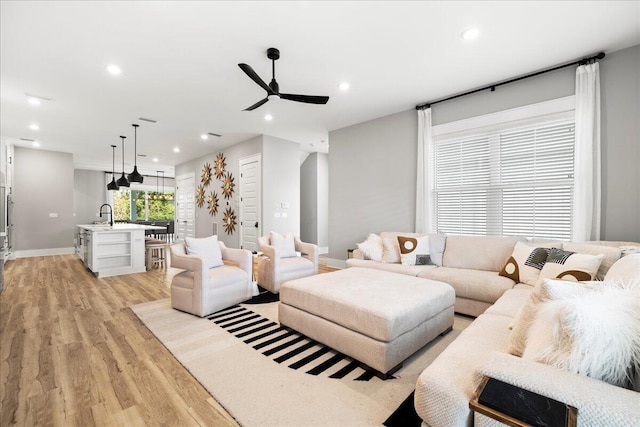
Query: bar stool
[155,253]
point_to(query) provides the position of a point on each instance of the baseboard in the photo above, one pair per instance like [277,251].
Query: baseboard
[43,252]
[336,263]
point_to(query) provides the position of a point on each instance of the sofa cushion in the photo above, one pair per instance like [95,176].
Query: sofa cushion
[411,270]
[510,302]
[478,253]
[445,387]
[625,271]
[479,285]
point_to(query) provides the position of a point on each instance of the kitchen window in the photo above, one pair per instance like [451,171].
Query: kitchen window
[143,205]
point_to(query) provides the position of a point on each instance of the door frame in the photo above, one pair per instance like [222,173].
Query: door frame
[245,160]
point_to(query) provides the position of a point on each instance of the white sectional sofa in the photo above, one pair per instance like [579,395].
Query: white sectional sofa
[443,391]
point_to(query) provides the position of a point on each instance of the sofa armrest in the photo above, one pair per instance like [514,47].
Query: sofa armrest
[180,259]
[241,256]
[598,403]
[357,254]
[308,249]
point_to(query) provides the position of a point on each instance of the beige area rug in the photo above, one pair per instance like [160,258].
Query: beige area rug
[257,391]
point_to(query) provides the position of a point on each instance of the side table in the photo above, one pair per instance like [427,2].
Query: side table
[518,407]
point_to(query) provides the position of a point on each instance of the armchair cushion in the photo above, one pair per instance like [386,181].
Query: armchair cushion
[208,248]
[284,244]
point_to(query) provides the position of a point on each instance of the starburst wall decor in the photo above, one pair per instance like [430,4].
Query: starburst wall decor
[212,203]
[227,185]
[229,221]
[206,174]
[219,165]
[200,196]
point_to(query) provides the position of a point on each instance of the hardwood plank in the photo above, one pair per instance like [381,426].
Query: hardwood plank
[72,353]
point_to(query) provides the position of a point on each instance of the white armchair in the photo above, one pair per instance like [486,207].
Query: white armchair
[201,290]
[278,265]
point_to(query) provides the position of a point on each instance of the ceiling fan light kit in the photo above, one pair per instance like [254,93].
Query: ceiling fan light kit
[273,88]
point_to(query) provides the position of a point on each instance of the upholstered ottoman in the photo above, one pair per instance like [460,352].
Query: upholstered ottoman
[377,317]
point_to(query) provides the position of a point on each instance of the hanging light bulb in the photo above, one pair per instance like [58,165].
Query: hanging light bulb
[122,181]
[135,176]
[113,185]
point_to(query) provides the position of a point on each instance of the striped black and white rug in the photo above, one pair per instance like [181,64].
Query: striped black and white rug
[285,346]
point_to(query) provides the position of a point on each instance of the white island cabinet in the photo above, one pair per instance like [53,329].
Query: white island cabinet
[112,250]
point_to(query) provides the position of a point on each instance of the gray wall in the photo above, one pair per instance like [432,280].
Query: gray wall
[372,165]
[372,176]
[280,183]
[43,184]
[88,194]
[314,199]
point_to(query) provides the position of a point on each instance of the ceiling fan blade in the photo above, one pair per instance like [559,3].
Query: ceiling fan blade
[309,99]
[256,78]
[257,104]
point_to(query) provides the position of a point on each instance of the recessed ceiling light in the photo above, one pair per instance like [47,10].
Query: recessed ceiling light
[204,136]
[469,34]
[343,86]
[34,126]
[35,144]
[176,150]
[114,70]
[155,159]
[34,101]
[268,117]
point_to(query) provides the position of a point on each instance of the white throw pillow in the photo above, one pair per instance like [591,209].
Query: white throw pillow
[571,266]
[414,250]
[207,248]
[391,253]
[284,244]
[372,248]
[625,271]
[595,333]
[526,262]
[610,254]
[437,243]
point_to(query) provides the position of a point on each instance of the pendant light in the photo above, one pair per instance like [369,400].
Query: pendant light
[122,181]
[135,176]
[113,185]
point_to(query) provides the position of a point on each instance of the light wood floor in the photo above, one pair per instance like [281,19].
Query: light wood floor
[73,353]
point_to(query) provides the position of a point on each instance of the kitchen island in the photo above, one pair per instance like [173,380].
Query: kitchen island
[112,250]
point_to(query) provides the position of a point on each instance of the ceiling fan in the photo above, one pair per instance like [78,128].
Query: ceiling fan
[273,88]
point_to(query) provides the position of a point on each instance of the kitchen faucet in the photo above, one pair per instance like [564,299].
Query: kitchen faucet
[110,213]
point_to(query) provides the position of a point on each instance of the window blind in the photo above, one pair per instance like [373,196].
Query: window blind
[512,180]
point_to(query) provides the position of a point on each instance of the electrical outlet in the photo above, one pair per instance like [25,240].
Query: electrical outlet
[276,214]
[284,214]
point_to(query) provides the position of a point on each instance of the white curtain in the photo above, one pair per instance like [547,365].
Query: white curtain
[587,184]
[424,176]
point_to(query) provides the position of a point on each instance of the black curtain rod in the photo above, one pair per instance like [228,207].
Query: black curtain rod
[495,85]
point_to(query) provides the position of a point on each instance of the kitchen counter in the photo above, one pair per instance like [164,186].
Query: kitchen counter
[113,250]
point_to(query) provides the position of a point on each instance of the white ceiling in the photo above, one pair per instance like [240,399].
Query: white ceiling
[179,62]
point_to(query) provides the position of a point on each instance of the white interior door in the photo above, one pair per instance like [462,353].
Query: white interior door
[185,206]
[250,201]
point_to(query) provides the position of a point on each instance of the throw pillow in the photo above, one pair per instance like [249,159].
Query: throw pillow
[372,248]
[391,253]
[525,263]
[284,244]
[595,333]
[625,271]
[610,254]
[543,291]
[414,250]
[437,244]
[629,249]
[207,248]
[567,265]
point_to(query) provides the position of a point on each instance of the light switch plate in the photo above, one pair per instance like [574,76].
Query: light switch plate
[53,215]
